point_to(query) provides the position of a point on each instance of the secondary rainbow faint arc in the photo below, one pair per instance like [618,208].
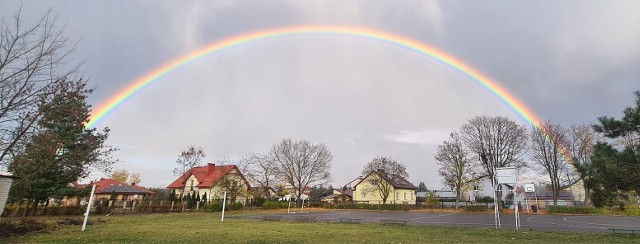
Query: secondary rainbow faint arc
[137,85]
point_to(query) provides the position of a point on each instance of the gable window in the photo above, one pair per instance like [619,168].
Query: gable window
[364,194]
[373,182]
[191,185]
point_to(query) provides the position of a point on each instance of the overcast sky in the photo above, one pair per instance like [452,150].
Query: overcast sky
[569,61]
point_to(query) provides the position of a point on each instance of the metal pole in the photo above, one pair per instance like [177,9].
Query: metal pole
[496,213]
[288,208]
[224,204]
[86,214]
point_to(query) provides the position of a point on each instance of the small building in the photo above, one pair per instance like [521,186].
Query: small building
[211,181]
[5,185]
[122,191]
[376,184]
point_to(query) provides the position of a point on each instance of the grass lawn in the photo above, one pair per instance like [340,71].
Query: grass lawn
[206,227]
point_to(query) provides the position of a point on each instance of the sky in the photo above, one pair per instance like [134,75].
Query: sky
[568,61]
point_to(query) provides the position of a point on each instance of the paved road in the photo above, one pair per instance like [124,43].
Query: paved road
[537,222]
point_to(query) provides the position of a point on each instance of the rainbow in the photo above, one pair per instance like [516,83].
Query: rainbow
[104,109]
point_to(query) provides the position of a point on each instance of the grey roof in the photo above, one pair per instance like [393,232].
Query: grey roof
[124,189]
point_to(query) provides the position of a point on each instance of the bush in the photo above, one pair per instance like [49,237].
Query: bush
[485,199]
[573,210]
[24,226]
[216,206]
[391,207]
[274,205]
[476,208]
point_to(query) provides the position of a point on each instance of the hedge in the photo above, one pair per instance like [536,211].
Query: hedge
[573,210]
[392,207]
[476,208]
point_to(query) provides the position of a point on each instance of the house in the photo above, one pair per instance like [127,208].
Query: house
[211,181]
[544,198]
[122,191]
[376,185]
[343,195]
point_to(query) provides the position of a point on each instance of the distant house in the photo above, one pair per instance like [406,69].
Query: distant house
[122,191]
[545,198]
[212,181]
[345,194]
[373,186]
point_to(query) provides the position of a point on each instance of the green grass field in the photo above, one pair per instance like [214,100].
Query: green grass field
[206,227]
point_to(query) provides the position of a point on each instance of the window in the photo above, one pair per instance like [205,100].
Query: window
[373,182]
[364,194]
[405,196]
[191,185]
[412,196]
[397,195]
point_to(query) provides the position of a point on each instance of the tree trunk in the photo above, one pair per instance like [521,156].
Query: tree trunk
[35,207]
[457,198]
[46,204]
[587,197]
[27,208]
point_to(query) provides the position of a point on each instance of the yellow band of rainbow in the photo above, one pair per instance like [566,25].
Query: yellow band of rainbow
[236,41]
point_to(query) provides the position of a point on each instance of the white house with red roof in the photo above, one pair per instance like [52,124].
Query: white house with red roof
[213,180]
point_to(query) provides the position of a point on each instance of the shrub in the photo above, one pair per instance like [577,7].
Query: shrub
[216,206]
[476,208]
[271,205]
[573,210]
[485,199]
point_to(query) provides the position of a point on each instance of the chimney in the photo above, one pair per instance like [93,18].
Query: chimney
[133,183]
[210,168]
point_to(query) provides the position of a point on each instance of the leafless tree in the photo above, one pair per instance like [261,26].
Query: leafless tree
[497,142]
[386,170]
[189,158]
[34,61]
[234,185]
[263,172]
[549,142]
[301,163]
[582,139]
[456,167]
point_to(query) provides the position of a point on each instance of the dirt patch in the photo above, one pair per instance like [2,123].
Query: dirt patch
[22,227]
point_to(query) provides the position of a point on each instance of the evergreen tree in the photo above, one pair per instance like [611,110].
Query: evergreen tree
[614,173]
[422,187]
[62,150]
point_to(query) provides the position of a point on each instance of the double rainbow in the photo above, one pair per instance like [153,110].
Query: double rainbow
[358,32]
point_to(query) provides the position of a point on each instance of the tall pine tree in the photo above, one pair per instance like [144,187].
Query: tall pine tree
[61,150]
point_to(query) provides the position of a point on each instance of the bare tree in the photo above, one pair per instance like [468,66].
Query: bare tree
[582,139]
[31,60]
[263,172]
[456,168]
[302,163]
[549,141]
[134,178]
[120,175]
[384,171]
[234,185]
[497,141]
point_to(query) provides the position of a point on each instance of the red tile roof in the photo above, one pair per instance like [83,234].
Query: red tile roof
[207,175]
[111,185]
